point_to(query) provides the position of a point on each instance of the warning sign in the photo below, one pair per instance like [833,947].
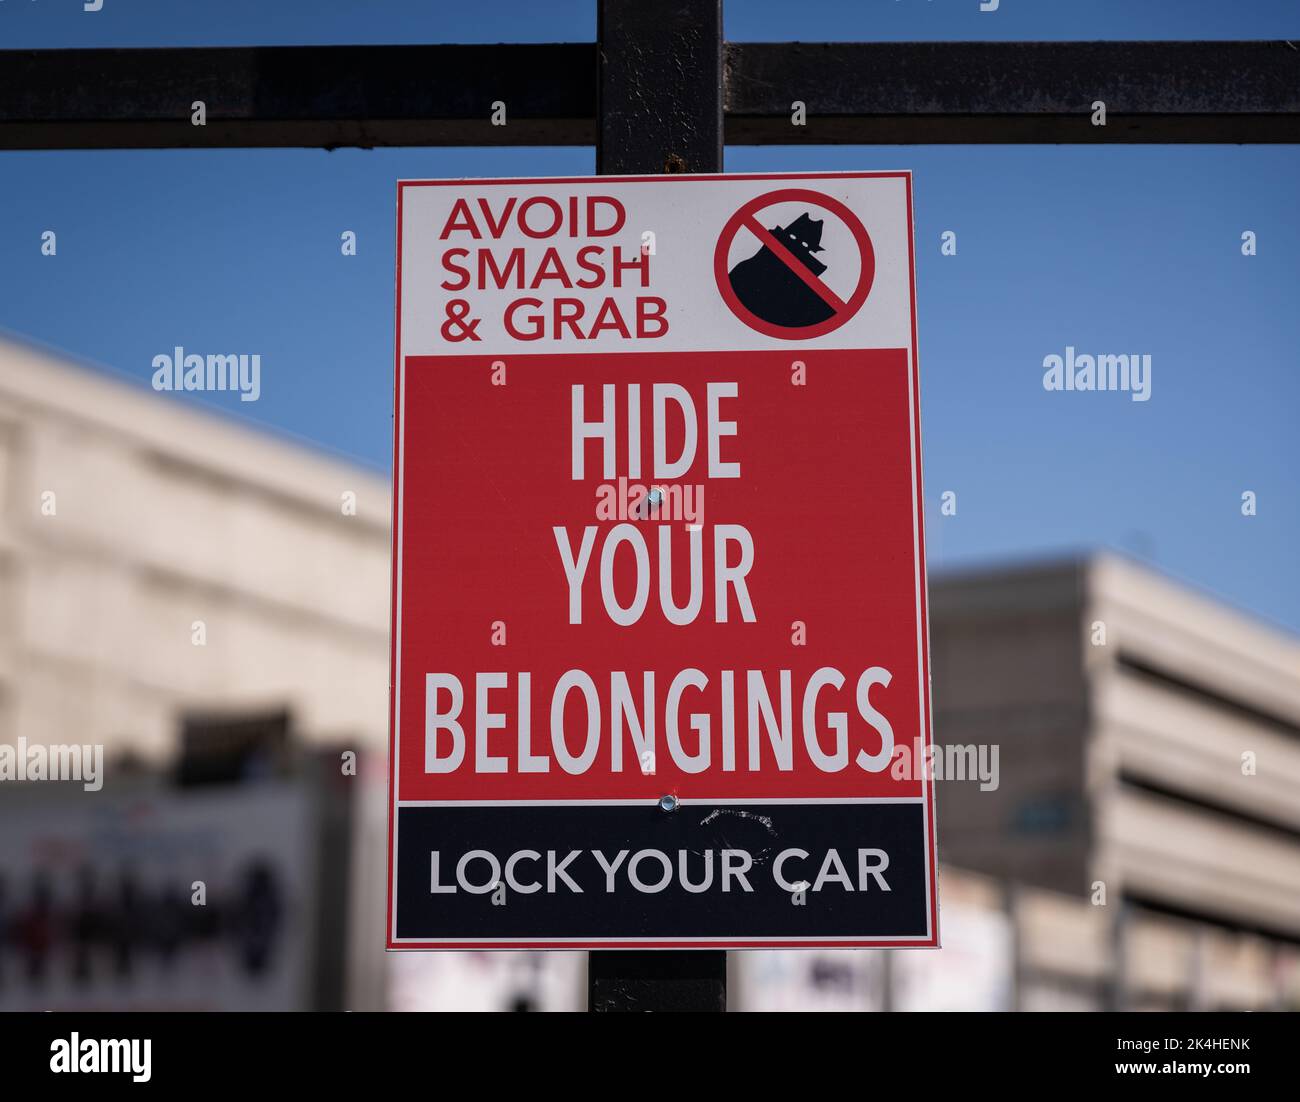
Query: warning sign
[782,289]
[659,656]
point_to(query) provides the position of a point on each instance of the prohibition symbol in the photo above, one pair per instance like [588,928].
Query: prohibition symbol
[779,290]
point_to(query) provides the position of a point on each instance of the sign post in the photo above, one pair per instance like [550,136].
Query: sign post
[659,110]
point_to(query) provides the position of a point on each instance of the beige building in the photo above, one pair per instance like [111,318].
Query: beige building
[1150,765]
[155,558]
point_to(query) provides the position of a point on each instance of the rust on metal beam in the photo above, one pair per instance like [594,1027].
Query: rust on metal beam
[989,92]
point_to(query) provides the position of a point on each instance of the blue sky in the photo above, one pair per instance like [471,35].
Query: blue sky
[1122,249]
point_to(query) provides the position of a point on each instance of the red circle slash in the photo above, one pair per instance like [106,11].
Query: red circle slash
[745,217]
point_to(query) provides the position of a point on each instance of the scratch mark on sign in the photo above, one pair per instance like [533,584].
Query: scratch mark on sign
[765,820]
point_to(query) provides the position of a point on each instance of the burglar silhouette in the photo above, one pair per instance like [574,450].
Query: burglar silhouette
[769,289]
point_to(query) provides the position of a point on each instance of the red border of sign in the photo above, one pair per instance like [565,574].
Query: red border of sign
[579,945]
[846,309]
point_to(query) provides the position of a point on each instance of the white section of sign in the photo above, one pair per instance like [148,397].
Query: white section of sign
[685,214]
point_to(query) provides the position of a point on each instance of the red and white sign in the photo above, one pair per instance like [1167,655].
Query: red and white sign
[660,671]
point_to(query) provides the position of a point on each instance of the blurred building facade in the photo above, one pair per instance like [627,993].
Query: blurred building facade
[1150,744]
[130,518]
[157,564]
[172,582]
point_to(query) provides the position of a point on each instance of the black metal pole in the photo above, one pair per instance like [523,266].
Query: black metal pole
[659,102]
[659,110]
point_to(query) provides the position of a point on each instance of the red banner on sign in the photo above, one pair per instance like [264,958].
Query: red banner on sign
[823,504]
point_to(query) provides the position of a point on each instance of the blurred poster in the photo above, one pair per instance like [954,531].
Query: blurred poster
[973,970]
[509,981]
[156,900]
[811,979]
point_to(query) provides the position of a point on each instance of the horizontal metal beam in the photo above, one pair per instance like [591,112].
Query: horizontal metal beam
[858,93]
[322,96]
[956,92]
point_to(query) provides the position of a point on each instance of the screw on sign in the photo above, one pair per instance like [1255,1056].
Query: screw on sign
[779,290]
